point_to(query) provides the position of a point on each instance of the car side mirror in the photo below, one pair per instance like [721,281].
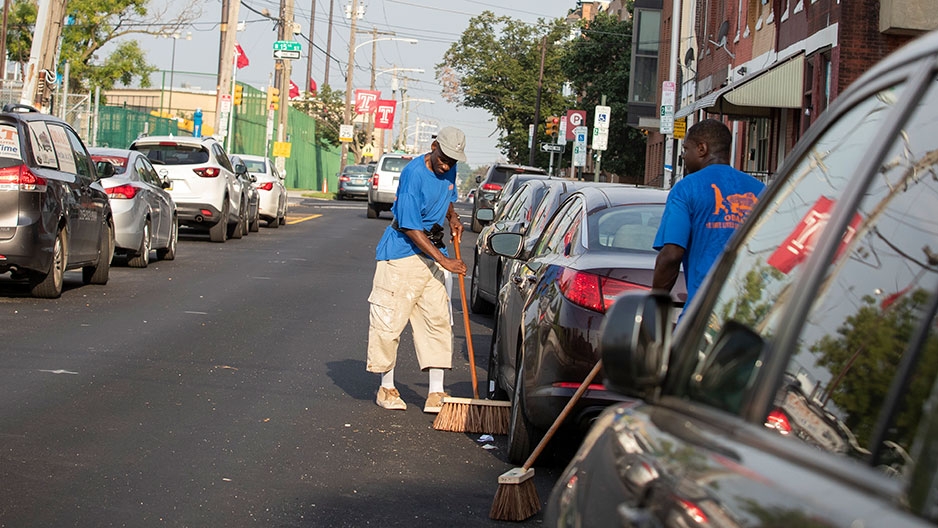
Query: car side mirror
[635,342]
[253,178]
[241,170]
[166,184]
[104,169]
[485,214]
[506,244]
[478,179]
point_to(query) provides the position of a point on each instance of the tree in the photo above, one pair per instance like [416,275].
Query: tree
[494,66]
[91,25]
[598,63]
[326,107]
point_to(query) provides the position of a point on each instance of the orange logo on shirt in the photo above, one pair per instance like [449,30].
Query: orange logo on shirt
[735,207]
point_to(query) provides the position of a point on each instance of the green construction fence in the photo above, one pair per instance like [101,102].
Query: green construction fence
[309,167]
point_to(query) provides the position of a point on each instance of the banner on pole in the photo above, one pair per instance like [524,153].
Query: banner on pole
[365,101]
[384,113]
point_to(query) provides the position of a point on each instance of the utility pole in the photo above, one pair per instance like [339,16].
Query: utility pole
[3,42]
[40,70]
[285,69]
[309,55]
[349,76]
[223,86]
[537,102]
[325,79]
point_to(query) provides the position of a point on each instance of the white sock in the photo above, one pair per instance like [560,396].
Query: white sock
[387,379]
[436,380]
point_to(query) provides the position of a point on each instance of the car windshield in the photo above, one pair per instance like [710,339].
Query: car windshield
[501,174]
[119,162]
[174,154]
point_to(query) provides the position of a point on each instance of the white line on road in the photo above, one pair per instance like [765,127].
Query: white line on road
[59,371]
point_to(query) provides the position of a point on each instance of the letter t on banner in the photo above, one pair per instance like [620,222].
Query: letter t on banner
[384,113]
[365,101]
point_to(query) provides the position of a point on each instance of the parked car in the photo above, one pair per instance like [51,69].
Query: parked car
[487,267]
[511,299]
[384,182]
[511,186]
[248,180]
[273,205]
[144,213]
[490,185]
[203,184]
[54,213]
[597,245]
[832,281]
[355,181]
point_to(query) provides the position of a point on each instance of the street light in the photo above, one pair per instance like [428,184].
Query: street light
[172,67]
[405,102]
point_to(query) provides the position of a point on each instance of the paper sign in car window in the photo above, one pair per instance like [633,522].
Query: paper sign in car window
[62,148]
[10,142]
[42,145]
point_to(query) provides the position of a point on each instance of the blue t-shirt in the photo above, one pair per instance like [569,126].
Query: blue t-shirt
[422,200]
[702,212]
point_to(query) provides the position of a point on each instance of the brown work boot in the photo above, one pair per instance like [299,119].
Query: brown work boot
[390,399]
[434,402]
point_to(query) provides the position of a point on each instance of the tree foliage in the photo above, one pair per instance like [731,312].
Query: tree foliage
[495,66]
[598,63]
[92,25]
[326,107]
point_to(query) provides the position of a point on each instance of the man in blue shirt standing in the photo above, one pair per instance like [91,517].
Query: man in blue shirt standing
[703,209]
[409,282]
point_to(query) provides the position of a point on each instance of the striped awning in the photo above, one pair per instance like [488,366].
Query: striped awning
[779,86]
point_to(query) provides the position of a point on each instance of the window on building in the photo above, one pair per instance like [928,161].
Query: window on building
[645,45]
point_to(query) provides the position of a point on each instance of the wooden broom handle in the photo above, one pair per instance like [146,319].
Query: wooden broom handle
[465,321]
[563,414]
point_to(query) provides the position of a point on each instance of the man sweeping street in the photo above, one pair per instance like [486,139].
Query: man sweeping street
[409,282]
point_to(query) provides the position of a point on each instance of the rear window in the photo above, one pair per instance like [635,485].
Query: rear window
[356,169]
[255,165]
[174,154]
[630,227]
[119,162]
[395,164]
[9,145]
[501,174]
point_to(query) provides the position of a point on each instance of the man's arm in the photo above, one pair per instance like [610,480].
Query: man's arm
[426,246]
[667,267]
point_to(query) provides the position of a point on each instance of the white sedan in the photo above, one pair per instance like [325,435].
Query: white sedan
[269,184]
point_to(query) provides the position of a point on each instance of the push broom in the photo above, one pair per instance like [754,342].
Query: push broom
[516,498]
[465,415]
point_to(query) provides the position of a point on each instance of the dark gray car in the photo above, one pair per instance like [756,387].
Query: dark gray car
[54,213]
[799,388]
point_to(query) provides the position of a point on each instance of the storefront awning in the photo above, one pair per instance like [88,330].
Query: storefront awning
[780,86]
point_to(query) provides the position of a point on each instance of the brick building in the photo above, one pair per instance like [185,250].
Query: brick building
[768,68]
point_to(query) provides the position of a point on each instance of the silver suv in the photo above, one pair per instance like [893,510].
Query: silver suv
[384,182]
[203,183]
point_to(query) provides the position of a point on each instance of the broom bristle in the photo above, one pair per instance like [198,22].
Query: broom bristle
[462,415]
[515,502]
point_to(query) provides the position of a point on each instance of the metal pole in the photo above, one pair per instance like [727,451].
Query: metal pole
[599,156]
[537,101]
[325,79]
[347,118]
[672,76]
[172,70]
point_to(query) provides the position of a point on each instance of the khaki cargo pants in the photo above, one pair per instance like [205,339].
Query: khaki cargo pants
[409,289]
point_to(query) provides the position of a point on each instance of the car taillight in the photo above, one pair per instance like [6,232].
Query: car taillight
[491,187]
[374,181]
[266,186]
[592,291]
[344,178]
[122,192]
[692,510]
[22,178]
[779,421]
[207,172]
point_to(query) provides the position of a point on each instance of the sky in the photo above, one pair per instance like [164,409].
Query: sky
[434,23]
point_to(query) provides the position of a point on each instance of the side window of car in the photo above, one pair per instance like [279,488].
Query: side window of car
[872,303]
[83,163]
[556,233]
[222,157]
[754,291]
[519,203]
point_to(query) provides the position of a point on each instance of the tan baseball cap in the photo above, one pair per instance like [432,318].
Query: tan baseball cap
[452,142]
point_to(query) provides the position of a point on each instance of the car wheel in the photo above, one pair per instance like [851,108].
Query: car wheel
[255,222]
[521,433]
[142,257]
[169,252]
[237,229]
[373,211]
[49,285]
[494,390]
[99,273]
[219,231]
[476,302]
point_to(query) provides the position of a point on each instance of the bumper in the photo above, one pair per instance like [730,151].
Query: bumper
[198,214]
[29,248]
[269,204]
[353,190]
[382,198]
[129,219]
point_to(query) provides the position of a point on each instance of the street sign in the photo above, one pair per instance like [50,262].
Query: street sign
[346,132]
[288,45]
[287,55]
[579,146]
[600,141]
[680,128]
[225,103]
[601,117]
[281,149]
[575,118]
[552,147]
[667,108]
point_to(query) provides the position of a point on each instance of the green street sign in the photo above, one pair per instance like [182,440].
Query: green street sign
[287,45]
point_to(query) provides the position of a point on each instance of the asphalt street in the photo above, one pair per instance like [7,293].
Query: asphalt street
[228,388]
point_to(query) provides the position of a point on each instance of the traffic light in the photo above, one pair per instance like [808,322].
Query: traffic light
[273,98]
[238,93]
[551,125]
